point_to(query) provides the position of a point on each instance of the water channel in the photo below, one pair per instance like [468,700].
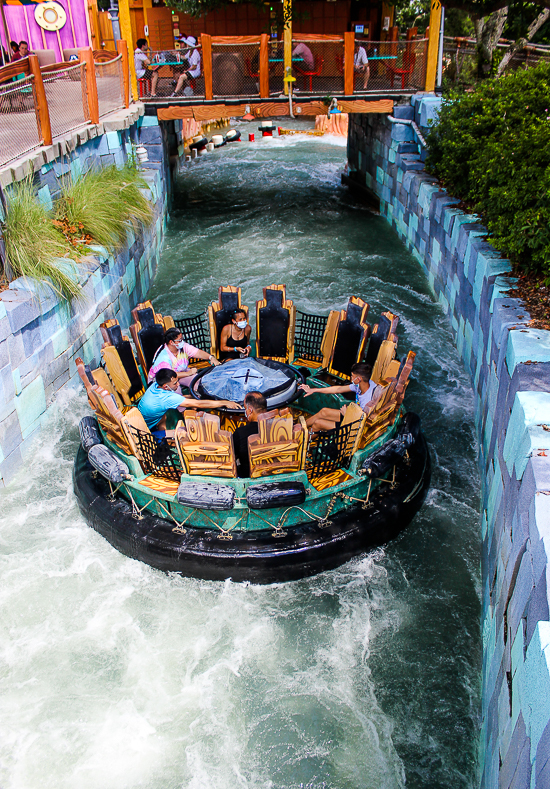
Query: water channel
[113,675]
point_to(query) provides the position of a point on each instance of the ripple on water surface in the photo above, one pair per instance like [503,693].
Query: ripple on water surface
[115,675]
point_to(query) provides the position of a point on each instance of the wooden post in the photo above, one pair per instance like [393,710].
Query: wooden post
[122,49]
[433,45]
[87,57]
[264,66]
[44,125]
[206,44]
[287,39]
[125,22]
[349,56]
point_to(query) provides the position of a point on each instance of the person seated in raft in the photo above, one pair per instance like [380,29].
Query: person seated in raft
[254,404]
[175,355]
[163,395]
[235,337]
[361,385]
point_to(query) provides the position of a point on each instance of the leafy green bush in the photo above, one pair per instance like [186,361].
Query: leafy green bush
[103,204]
[33,243]
[491,148]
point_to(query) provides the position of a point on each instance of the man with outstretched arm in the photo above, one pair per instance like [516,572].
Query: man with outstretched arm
[162,395]
[361,385]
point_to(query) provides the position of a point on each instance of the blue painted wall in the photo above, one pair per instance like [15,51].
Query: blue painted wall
[509,367]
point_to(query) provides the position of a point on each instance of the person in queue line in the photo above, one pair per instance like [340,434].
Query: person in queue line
[361,65]
[235,337]
[361,385]
[163,395]
[143,65]
[303,51]
[175,354]
[254,404]
[193,57]
[14,54]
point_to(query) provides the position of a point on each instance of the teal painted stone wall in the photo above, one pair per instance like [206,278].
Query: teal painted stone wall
[40,335]
[509,367]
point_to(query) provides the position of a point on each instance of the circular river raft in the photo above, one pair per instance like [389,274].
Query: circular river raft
[262,556]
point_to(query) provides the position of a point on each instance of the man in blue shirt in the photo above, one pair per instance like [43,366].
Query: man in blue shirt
[162,395]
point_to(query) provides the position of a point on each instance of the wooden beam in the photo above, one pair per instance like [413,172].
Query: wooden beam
[433,45]
[122,49]
[349,56]
[287,39]
[206,44]
[43,113]
[125,21]
[264,66]
[87,57]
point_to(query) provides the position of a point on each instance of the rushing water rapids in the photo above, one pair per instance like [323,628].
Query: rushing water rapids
[114,675]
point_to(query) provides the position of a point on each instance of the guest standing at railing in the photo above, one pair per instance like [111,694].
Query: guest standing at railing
[193,57]
[143,65]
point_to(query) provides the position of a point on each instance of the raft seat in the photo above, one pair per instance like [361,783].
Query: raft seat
[384,407]
[220,313]
[275,321]
[385,329]
[308,338]
[279,447]
[158,458]
[147,332]
[344,340]
[330,451]
[195,331]
[202,447]
[121,363]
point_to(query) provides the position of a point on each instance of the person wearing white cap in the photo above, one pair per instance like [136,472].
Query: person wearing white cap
[193,57]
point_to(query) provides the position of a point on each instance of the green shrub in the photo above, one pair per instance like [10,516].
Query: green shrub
[33,243]
[491,148]
[103,204]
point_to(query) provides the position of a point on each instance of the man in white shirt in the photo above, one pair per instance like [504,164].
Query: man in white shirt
[193,57]
[361,385]
[361,65]
[143,65]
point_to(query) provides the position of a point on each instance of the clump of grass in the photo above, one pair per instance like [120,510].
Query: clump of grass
[103,204]
[33,243]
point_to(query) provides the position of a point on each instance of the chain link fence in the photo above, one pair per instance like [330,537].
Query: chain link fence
[398,66]
[110,85]
[317,64]
[236,69]
[168,66]
[460,60]
[67,99]
[19,122]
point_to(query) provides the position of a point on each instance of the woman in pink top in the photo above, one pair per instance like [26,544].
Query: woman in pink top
[175,354]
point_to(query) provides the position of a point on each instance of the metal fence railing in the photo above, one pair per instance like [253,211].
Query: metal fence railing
[236,69]
[110,85]
[460,60]
[19,122]
[67,99]
[317,64]
[398,66]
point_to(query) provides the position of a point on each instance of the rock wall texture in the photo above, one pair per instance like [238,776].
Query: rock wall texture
[509,367]
[40,335]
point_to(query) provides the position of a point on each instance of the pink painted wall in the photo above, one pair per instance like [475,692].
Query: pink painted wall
[23,27]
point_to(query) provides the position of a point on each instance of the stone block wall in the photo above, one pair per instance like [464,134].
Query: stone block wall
[509,366]
[40,335]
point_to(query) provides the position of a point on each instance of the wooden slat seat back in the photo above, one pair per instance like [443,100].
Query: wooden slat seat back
[121,363]
[220,313]
[275,321]
[385,329]
[354,415]
[386,402]
[279,447]
[98,376]
[309,333]
[203,447]
[147,332]
[385,366]
[345,338]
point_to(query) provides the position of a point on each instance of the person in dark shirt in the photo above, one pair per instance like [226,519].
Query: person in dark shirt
[254,404]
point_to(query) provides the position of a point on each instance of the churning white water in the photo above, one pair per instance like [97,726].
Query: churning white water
[115,676]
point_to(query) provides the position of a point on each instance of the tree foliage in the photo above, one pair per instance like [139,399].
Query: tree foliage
[491,148]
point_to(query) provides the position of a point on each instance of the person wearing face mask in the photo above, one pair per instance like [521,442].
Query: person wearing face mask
[175,354]
[361,385]
[254,404]
[235,337]
[163,395]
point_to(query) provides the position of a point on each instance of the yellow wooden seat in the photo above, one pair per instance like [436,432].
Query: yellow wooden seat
[279,446]
[275,321]
[204,448]
[220,313]
[121,363]
[345,337]
[386,402]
